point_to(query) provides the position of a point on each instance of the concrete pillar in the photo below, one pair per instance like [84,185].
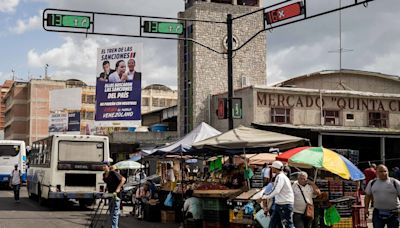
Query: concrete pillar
[234,2]
[319,139]
[383,152]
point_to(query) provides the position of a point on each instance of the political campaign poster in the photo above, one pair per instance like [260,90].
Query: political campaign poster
[118,86]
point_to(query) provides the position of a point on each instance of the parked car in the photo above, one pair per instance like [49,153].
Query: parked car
[129,190]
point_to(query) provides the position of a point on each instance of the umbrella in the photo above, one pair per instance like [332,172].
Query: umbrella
[322,158]
[128,164]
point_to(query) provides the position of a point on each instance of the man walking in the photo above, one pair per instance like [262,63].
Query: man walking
[15,182]
[284,198]
[114,182]
[385,191]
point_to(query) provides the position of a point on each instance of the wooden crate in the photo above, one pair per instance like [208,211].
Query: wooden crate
[167,216]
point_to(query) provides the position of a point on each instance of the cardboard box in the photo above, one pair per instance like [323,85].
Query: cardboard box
[167,216]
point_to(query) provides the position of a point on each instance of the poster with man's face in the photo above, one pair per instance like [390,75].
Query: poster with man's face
[118,86]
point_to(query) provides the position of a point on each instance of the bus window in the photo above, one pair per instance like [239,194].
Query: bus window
[8,150]
[81,151]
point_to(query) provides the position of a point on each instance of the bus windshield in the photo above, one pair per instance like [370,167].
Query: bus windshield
[80,151]
[9,150]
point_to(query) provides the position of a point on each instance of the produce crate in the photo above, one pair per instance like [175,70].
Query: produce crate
[359,219]
[214,204]
[344,223]
[167,216]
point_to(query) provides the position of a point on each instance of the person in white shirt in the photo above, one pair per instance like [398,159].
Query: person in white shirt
[284,198]
[307,188]
[119,74]
[266,174]
[170,177]
[192,206]
[15,182]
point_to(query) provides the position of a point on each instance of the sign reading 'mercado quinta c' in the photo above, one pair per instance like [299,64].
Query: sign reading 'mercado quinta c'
[283,13]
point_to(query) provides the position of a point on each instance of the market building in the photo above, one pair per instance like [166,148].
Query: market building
[347,109]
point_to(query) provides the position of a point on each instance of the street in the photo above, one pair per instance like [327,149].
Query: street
[29,214]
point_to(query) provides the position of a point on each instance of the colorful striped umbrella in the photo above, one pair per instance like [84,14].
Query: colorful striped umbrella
[322,158]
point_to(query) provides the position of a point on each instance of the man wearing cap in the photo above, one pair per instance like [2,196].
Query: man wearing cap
[15,182]
[284,198]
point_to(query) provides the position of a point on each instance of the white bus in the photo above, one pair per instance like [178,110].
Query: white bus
[12,152]
[67,167]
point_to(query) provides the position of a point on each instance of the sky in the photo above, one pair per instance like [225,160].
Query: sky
[370,33]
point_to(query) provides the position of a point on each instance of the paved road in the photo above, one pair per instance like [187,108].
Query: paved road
[28,214]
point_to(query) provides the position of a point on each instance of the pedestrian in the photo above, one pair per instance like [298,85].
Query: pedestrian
[284,198]
[396,173]
[385,191]
[15,182]
[114,182]
[170,177]
[370,173]
[266,174]
[304,191]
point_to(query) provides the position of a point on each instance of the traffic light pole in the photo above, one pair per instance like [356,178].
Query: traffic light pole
[230,70]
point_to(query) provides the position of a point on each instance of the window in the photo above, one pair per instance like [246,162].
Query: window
[162,102]
[89,115]
[280,115]
[40,154]
[155,102]
[145,101]
[378,119]
[349,116]
[331,117]
[73,151]
[9,150]
[90,99]
[248,2]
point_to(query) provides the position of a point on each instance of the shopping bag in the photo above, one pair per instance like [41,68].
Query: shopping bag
[263,219]
[331,216]
[169,201]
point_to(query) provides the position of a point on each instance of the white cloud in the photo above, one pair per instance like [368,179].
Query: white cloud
[73,59]
[8,5]
[26,25]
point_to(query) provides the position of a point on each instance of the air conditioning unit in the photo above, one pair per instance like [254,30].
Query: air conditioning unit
[245,81]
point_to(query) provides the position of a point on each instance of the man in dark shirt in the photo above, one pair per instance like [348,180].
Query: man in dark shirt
[114,182]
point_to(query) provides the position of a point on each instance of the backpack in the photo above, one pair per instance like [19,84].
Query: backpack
[391,180]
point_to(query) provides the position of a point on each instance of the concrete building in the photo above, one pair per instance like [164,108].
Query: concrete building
[156,97]
[202,72]
[27,109]
[335,109]
[3,91]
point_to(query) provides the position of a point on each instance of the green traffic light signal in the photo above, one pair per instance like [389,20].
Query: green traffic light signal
[71,21]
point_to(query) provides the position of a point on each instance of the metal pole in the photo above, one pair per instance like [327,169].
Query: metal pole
[230,70]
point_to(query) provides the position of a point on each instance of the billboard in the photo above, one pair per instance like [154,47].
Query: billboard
[65,99]
[58,122]
[118,86]
[74,122]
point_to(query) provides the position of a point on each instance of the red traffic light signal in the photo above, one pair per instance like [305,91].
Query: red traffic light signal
[283,13]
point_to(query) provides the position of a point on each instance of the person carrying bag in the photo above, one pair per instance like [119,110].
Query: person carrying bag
[304,192]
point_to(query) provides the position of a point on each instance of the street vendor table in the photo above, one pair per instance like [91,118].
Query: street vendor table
[214,203]
[237,215]
[217,193]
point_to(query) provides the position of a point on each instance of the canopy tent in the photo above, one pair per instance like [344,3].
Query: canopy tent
[201,132]
[240,138]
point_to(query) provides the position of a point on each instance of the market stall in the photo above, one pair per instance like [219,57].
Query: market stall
[337,178]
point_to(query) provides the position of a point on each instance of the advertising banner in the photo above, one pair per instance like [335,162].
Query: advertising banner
[58,122]
[74,122]
[118,86]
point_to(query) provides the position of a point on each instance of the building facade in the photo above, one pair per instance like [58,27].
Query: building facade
[156,97]
[202,72]
[334,109]
[3,91]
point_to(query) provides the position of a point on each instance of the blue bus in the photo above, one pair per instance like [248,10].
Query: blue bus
[12,152]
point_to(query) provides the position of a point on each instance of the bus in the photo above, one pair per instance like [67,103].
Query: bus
[12,152]
[67,167]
